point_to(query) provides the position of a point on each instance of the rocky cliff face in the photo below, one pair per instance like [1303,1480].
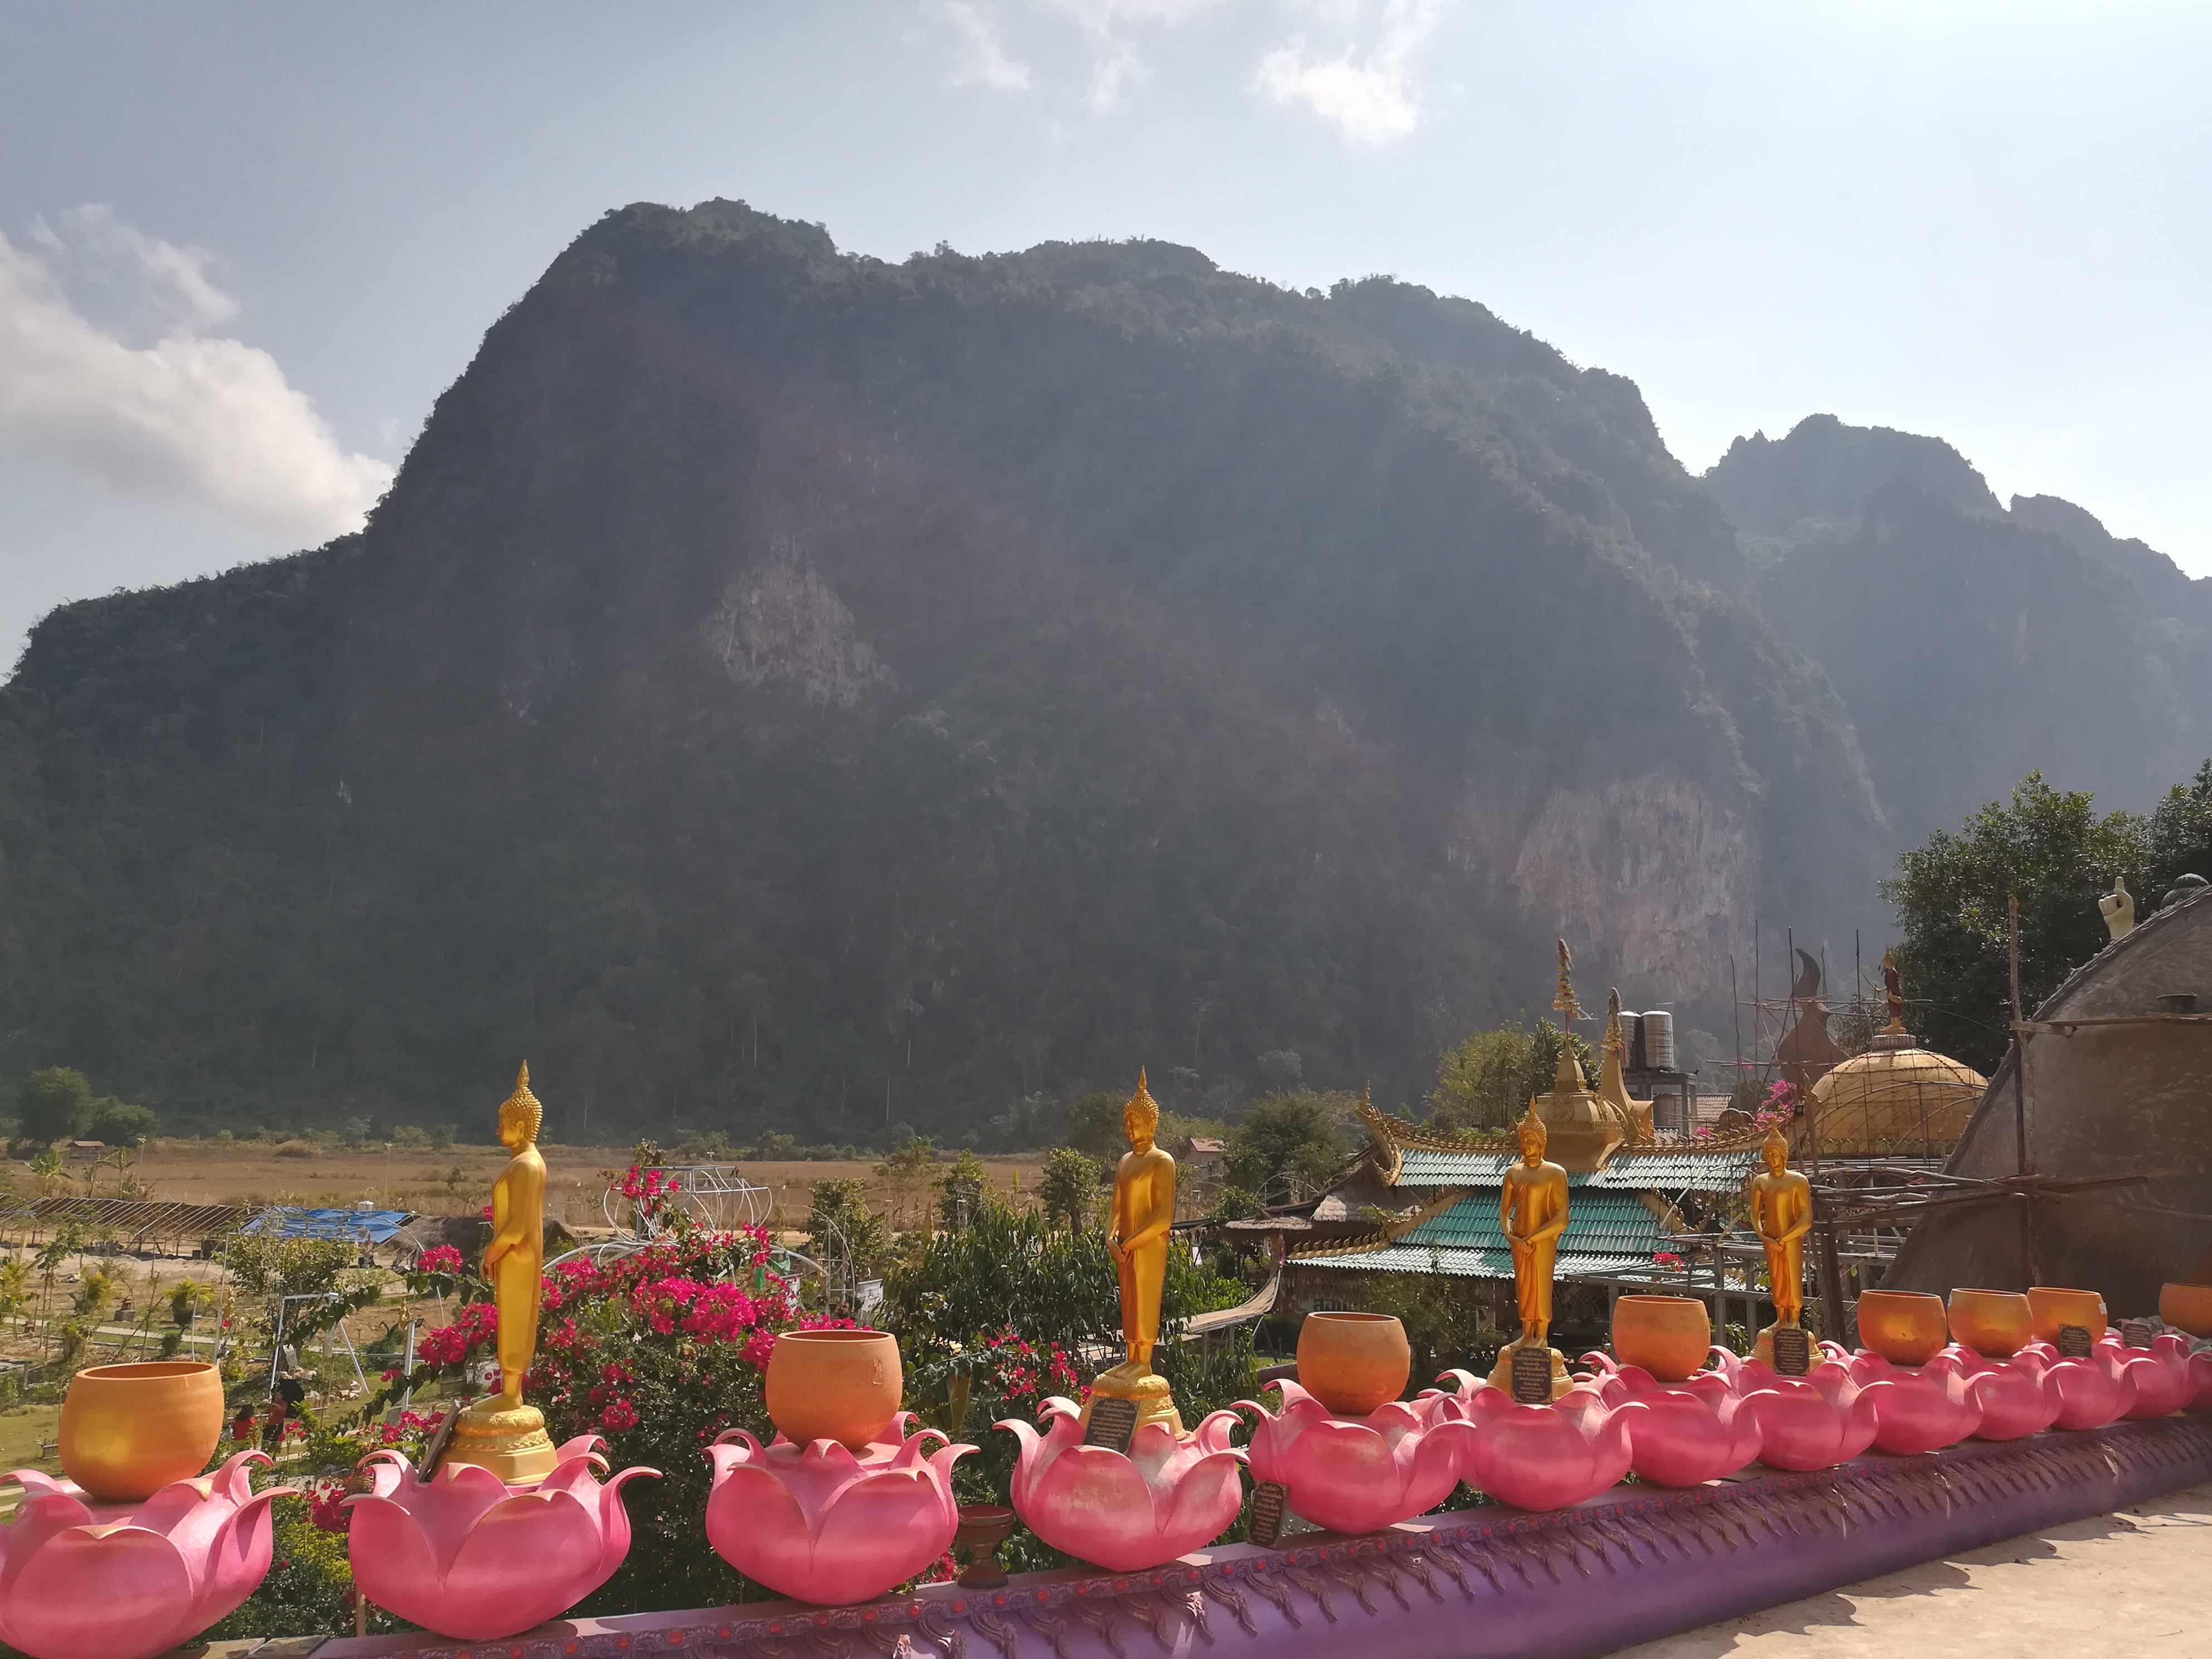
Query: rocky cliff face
[784,689]
[1971,643]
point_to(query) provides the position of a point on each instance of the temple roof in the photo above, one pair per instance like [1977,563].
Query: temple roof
[1891,1097]
[1685,1164]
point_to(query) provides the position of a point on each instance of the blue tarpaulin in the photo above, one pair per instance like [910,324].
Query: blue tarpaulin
[348,1225]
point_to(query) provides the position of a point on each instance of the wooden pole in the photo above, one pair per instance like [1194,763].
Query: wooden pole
[2031,1267]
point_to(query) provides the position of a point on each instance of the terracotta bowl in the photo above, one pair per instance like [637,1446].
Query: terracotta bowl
[128,1431]
[2188,1306]
[835,1385]
[1905,1327]
[2055,1306]
[1669,1336]
[1995,1324]
[1353,1362]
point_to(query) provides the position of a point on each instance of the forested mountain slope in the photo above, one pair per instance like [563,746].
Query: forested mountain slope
[785,690]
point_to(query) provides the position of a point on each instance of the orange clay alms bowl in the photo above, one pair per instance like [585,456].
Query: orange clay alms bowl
[1669,1336]
[2189,1307]
[2055,1307]
[835,1385]
[1353,1362]
[1905,1327]
[1995,1324]
[128,1431]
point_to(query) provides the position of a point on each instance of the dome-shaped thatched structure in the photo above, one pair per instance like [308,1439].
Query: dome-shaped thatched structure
[1898,1100]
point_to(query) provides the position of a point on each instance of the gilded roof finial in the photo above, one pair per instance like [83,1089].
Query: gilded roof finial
[1612,1036]
[1569,1011]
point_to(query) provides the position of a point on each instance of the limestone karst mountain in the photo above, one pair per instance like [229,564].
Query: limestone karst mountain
[1971,643]
[788,691]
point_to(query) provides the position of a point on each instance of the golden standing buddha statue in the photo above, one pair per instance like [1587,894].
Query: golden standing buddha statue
[501,1433]
[1532,1214]
[1136,1235]
[1781,1214]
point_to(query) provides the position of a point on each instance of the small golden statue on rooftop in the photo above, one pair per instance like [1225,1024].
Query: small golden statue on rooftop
[1781,1214]
[501,1433]
[1532,1214]
[1137,1235]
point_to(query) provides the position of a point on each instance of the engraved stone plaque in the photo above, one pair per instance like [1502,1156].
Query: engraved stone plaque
[1113,1424]
[1532,1375]
[2075,1342]
[1793,1351]
[2137,1332]
[1267,1500]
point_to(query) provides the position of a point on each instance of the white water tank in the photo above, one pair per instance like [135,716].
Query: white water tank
[1658,1039]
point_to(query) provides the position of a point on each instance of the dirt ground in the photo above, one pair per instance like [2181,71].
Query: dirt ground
[2135,1583]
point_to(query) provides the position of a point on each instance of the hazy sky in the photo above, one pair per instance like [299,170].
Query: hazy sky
[246,244]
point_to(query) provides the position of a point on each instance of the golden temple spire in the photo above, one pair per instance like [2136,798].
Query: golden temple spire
[1614,1039]
[1569,1011]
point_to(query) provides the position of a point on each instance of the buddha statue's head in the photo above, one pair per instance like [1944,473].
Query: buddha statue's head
[1534,1138]
[1775,1149]
[520,1116]
[1140,1118]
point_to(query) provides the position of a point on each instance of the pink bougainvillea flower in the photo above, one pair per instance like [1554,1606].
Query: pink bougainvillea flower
[1357,1474]
[468,1556]
[80,1580]
[1165,1498]
[1694,1432]
[1543,1457]
[822,1525]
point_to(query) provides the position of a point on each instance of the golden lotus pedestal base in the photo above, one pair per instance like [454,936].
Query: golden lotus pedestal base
[1532,1359]
[511,1443]
[1141,1384]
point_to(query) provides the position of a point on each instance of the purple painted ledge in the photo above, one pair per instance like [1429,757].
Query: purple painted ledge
[1486,1583]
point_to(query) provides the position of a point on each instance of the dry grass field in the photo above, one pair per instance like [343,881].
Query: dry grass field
[458,1180]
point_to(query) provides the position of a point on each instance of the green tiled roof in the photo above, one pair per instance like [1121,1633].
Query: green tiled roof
[1607,1232]
[1673,1172]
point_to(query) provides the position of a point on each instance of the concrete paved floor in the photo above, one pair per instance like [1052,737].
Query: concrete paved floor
[2138,1582]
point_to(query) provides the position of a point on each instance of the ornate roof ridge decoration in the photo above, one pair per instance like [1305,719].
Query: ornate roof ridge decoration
[1382,1237]
[1394,1137]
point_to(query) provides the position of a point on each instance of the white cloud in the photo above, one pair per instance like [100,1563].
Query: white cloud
[1115,60]
[1368,97]
[189,414]
[983,56]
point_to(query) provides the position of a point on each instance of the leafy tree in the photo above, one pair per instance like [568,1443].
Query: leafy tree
[1069,1191]
[54,1104]
[1483,1082]
[119,1123]
[1544,1062]
[1094,1128]
[964,1192]
[844,1229]
[2180,835]
[2052,849]
[1287,1144]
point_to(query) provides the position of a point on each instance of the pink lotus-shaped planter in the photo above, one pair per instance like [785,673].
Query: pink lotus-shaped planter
[2091,1392]
[820,1524]
[1542,1457]
[1812,1422]
[81,1579]
[2162,1383]
[1917,1408]
[468,1556]
[2015,1395]
[1165,1499]
[1691,1432]
[1359,1473]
